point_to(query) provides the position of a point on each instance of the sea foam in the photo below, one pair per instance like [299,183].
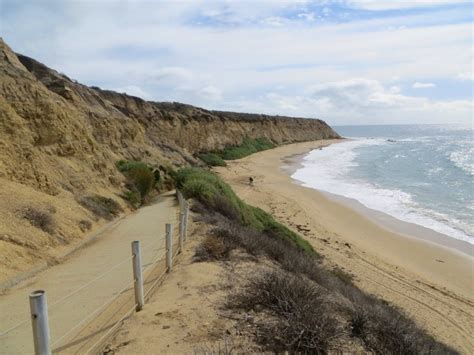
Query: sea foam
[330,170]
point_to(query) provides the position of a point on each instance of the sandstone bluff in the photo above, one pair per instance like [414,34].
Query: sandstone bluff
[59,140]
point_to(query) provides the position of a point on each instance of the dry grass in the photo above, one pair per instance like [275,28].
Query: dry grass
[41,219]
[213,248]
[299,318]
[85,225]
[309,308]
[100,206]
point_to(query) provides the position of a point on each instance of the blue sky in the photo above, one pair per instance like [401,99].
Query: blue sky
[345,61]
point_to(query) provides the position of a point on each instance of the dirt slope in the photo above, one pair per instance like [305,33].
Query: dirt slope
[59,141]
[112,248]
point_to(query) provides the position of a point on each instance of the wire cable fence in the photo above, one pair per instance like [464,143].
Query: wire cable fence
[77,290]
[90,328]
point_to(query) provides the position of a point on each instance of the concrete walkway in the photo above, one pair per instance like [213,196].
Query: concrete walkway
[111,248]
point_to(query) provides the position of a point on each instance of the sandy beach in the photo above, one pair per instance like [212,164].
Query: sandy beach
[431,282]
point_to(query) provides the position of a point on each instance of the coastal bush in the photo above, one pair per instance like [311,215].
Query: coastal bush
[212,159]
[342,275]
[140,179]
[41,219]
[126,165]
[384,329]
[133,197]
[213,192]
[214,248]
[298,318]
[247,147]
[285,297]
[103,207]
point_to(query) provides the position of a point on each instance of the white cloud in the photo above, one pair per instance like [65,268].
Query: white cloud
[419,85]
[400,4]
[466,76]
[274,21]
[195,51]
[134,91]
[360,100]
[210,93]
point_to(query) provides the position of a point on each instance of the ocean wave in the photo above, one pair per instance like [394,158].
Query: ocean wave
[463,159]
[435,171]
[329,169]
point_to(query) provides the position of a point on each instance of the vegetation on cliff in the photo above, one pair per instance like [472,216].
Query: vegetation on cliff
[247,147]
[212,191]
[142,179]
[212,159]
[292,301]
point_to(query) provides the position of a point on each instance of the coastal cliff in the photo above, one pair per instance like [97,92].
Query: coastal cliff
[59,141]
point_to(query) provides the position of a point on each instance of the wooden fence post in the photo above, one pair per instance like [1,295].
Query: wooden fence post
[137,275]
[169,248]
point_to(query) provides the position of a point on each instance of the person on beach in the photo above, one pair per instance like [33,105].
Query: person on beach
[251,181]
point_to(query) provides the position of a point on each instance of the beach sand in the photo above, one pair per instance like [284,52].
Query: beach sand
[432,283]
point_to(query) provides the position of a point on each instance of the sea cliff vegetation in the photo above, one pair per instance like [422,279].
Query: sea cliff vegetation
[298,303]
[247,147]
[210,190]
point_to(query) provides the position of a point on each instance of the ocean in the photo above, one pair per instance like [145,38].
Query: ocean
[421,174]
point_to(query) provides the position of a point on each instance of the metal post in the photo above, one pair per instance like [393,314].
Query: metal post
[137,275]
[180,200]
[169,247]
[39,321]
[181,232]
[185,221]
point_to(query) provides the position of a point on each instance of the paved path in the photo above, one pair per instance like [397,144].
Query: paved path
[112,247]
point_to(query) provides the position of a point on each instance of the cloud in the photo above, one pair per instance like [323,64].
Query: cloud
[466,76]
[419,85]
[266,56]
[360,100]
[210,93]
[171,76]
[133,90]
[400,4]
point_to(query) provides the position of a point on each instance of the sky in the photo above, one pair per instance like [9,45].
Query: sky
[344,61]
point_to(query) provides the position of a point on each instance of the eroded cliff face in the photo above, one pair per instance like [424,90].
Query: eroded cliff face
[59,140]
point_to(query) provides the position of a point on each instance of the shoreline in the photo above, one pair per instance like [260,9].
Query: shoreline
[432,283]
[390,223]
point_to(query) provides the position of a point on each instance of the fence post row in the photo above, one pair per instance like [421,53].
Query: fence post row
[169,248]
[39,306]
[137,275]
[39,322]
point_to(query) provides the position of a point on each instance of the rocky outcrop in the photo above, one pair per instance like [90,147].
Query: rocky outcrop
[60,139]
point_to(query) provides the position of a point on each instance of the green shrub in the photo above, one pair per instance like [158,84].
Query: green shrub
[141,179]
[247,147]
[127,165]
[213,192]
[212,159]
[133,197]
